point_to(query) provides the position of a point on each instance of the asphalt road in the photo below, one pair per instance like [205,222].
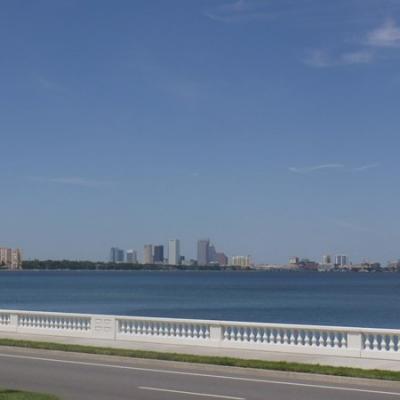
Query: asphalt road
[81,376]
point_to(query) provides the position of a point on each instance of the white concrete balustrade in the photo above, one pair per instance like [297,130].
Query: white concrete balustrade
[302,339]
[4,319]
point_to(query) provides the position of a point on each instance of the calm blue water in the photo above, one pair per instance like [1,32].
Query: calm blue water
[350,299]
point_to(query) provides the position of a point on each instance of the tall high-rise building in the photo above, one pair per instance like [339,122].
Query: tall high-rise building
[174,252]
[117,255]
[222,259]
[148,254]
[341,260]
[10,258]
[212,254]
[326,259]
[203,252]
[158,254]
[131,257]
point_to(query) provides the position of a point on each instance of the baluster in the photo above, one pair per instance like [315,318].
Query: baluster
[234,333]
[205,332]
[384,345]
[252,336]
[272,336]
[375,343]
[335,340]
[225,333]
[263,335]
[367,343]
[290,337]
[258,335]
[285,338]
[242,334]
[306,339]
[391,347]
[343,343]
[313,339]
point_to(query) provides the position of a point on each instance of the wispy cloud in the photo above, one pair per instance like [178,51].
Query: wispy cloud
[74,181]
[313,168]
[306,170]
[238,11]
[366,167]
[322,59]
[387,35]
[365,50]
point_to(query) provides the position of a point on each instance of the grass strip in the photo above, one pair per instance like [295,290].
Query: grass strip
[212,360]
[9,394]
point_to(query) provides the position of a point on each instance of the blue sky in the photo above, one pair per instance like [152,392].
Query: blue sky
[271,127]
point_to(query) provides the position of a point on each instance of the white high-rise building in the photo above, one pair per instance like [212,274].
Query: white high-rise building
[341,260]
[148,254]
[174,252]
[131,257]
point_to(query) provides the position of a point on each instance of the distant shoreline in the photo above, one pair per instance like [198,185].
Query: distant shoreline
[67,265]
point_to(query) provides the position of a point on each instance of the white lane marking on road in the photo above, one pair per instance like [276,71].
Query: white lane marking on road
[171,372]
[218,396]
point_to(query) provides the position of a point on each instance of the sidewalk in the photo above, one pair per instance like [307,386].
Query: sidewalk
[208,351]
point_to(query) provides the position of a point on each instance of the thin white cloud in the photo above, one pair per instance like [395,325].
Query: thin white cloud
[366,167]
[74,181]
[238,11]
[387,35]
[306,170]
[322,59]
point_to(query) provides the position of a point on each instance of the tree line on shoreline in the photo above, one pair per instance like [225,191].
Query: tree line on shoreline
[104,266]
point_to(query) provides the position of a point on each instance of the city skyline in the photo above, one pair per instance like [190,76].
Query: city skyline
[271,126]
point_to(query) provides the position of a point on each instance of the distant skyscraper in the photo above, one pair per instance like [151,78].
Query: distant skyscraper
[341,260]
[131,257]
[212,254]
[148,254]
[327,259]
[174,252]
[158,254]
[117,255]
[222,259]
[203,252]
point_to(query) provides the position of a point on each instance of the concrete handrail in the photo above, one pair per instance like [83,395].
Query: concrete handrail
[289,338]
